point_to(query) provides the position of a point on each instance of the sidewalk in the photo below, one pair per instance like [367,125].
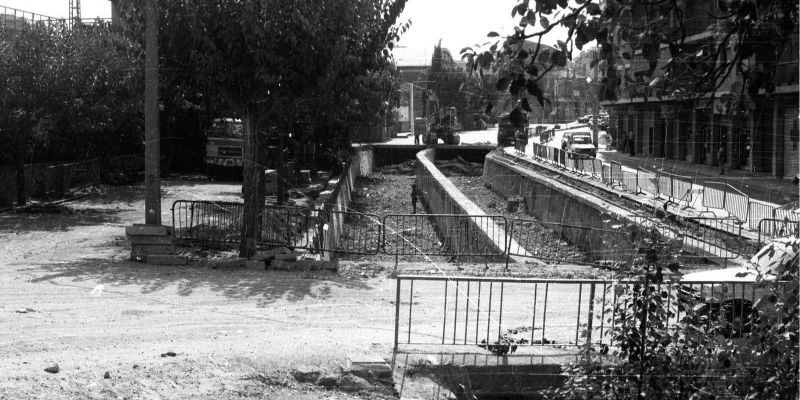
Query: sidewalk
[758,186]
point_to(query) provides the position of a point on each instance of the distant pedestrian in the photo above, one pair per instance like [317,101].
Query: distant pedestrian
[722,154]
[416,136]
[631,147]
[414,196]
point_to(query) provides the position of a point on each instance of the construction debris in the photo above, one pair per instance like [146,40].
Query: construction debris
[459,166]
[405,168]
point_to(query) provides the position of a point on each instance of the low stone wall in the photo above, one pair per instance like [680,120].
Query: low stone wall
[442,197]
[552,201]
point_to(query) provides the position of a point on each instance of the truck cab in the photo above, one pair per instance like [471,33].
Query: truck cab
[580,143]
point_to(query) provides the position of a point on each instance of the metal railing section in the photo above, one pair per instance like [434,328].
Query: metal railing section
[771,228]
[715,237]
[207,222]
[359,234]
[758,210]
[293,227]
[647,182]
[477,311]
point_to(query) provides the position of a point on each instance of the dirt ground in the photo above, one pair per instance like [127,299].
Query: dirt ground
[70,296]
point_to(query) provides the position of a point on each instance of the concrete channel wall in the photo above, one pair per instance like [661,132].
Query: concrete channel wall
[442,197]
[340,192]
[552,201]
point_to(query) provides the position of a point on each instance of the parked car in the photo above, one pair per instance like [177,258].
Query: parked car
[579,142]
[506,129]
[734,293]
[585,119]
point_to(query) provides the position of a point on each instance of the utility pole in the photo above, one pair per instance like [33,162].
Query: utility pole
[152,151]
[411,108]
[596,113]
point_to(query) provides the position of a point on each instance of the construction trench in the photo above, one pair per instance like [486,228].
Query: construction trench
[513,230]
[519,218]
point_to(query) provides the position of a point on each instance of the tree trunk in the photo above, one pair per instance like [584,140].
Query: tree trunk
[282,170]
[261,159]
[250,172]
[19,165]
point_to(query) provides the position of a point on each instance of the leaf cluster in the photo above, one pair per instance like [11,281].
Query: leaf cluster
[663,346]
[737,31]
[70,92]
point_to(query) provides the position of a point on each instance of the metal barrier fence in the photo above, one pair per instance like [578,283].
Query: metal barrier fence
[758,210]
[207,222]
[617,176]
[597,168]
[606,175]
[545,240]
[787,214]
[713,237]
[771,228]
[676,188]
[713,197]
[646,181]
[360,233]
[293,227]
[479,312]
[443,235]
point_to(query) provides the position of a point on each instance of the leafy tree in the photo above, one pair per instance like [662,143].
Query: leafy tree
[455,87]
[699,356]
[71,94]
[744,29]
[267,61]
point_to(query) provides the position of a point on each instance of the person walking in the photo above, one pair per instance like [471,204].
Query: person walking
[631,147]
[414,196]
[722,154]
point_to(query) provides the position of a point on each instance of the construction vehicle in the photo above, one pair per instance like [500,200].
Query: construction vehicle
[444,126]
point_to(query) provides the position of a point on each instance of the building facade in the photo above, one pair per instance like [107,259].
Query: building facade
[762,136]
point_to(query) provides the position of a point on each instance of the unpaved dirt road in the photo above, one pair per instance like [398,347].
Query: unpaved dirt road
[69,296]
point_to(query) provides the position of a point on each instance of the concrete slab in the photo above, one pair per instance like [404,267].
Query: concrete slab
[147,230]
[367,365]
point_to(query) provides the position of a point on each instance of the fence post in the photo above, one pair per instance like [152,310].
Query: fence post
[396,321]
[591,315]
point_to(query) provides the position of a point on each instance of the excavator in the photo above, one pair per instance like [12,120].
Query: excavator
[439,122]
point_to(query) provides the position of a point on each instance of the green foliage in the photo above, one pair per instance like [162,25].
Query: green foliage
[655,355]
[738,31]
[310,68]
[69,93]
[455,87]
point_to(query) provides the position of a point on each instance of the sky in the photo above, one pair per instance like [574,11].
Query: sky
[458,23]
[60,8]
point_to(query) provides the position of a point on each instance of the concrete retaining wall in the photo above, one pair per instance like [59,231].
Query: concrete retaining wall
[552,201]
[442,197]
[341,191]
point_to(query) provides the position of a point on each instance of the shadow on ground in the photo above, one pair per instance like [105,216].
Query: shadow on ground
[61,220]
[263,287]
